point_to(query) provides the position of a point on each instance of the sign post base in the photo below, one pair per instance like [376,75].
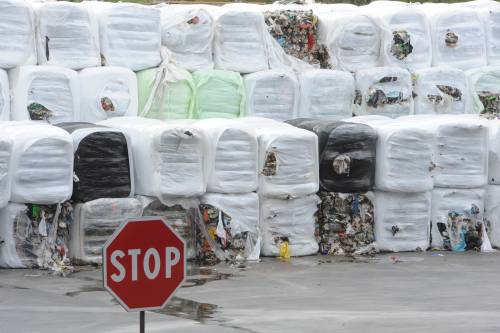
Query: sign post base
[142,320]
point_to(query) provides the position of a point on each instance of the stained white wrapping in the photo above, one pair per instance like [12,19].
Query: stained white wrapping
[4,96]
[168,157]
[6,171]
[326,94]
[68,34]
[494,151]
[492,214]
[272,94]
[402,221]
[8,253]
[54,87]
[117,84]
[429,99]
[288,220]
[484,79]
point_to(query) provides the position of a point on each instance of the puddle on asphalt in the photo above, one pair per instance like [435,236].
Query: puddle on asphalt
[85,289]
[198,276]
[188,309]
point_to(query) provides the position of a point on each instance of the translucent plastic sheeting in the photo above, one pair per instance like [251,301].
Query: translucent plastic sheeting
[67,35]
[107,92]
[494,151]
[402,221]
[6,171]
[46,93]
[492,214]
[94,222]
[4,96]
[484,89]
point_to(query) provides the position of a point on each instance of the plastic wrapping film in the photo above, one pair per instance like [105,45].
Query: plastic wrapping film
[17,34]
[219,94]
[94,222]
[107,92]
[67,35]
[494,151]
[402,221]
[229,228]
[103,163]
[492,214]
[288,226]
[42,157]
[6,171]
[35,236]
[168,157]
[326,94]
[46,93]
[188,32]
[4,96]
[484,87]
[272,94]
[345,222]
[441,90]
[231,156]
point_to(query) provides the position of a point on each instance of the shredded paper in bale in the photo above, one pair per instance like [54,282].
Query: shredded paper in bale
[484,87]
[4,96]
[492,214]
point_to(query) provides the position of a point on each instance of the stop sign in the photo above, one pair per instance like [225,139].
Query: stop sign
[143,264]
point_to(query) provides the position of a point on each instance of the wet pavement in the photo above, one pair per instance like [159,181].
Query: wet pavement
[413,292]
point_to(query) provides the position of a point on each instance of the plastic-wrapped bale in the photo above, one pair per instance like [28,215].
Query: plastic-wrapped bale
[165,93]
[188,32]
[288,226]
[326,94]
[229,228]
[492,214]
[231,156]
[494,152]
[180,214]
[6,171]
[484,87]
[402,221]
[383,91]
[103,163]
[42,157]
[67,35]
[272,94]
[48,93]
[94,222]
[345,222]
[35,236]
[4,96]
[441,90]
[457,219]
[219,94]
[107,92]
[168,157]
[17,34]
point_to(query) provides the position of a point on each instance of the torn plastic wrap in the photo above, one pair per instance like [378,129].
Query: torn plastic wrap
[272,94]
[46,93]
[219,94]
[67,35]
[288,226]
[457,219]
[441,90]
[231,156]
[229,228]
[326,94]
[492,214]
[168,157]
[494,151]
[6,171]
[4,96]
[94,222]
[402,221]
[35,236]
[345,222]
[107,92]
[484,87]
[383,91]
[103,163]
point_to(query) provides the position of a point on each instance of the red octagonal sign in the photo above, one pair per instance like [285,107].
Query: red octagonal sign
[144,264]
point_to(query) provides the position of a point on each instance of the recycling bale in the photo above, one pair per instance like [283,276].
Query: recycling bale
[4,96]
[484,91]
[493,151]
[6,170]
[492,214]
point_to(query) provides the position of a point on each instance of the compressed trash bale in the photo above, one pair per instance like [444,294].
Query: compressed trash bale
[17,34]
[441,90]
[494,151]
[492,214]
[6,171]
[94,222]
[288,226]
[231,156]
[48,93]
[484,87]
[402,221]
[107,92]
[219,94]
[229,228]
[67,35]
[35,236]
[326,94]
[272,94]
[103,163]
[188,32]
[168,157]
[4,96]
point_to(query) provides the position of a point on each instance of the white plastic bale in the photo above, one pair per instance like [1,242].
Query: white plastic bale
[48,93]
[107,92]
[494,151]
[492,214]
[6,171]
[402,221]
[67,35]
[484,89]
[272,94]
[4,96]
[326,94]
